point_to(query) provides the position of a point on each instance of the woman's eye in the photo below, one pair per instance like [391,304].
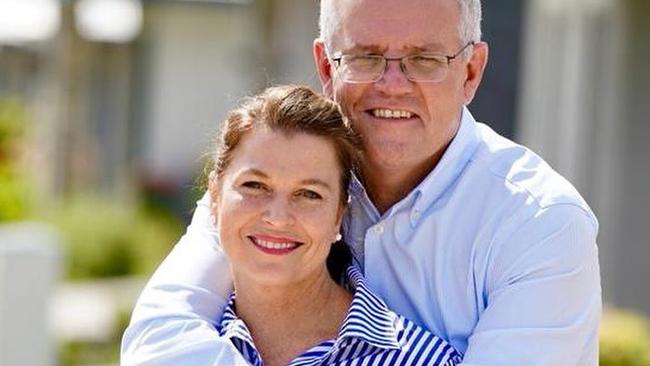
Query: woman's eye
[253,185]
[310,195]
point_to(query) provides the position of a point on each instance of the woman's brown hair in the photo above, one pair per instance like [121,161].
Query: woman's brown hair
[291,109]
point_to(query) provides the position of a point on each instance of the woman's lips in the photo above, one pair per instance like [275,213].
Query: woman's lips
[274,245]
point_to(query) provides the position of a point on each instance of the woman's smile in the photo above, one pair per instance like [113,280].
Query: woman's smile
[274,245]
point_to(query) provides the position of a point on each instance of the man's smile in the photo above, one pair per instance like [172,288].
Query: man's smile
[390,113]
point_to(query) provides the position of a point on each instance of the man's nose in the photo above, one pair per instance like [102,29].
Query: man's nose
[394,79]
[278,212]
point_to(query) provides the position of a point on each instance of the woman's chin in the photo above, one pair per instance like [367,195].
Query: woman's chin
[270,275]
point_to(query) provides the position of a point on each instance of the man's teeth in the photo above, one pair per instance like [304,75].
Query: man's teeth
[274,245]
[390,113]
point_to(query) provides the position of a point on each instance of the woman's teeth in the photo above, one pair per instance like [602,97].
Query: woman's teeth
[274,245]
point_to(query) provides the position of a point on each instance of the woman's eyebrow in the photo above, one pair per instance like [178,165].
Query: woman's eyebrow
[254,171]
[316,182]
[306,182]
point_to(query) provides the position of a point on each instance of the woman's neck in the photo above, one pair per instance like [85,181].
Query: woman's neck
[286,320]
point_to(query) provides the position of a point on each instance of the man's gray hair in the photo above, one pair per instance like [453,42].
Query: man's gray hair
[470,20]
[469,27]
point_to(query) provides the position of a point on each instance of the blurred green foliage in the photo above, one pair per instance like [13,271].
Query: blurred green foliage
[13,186]
[624,339]
[104,238]
[12,120]
[13,195]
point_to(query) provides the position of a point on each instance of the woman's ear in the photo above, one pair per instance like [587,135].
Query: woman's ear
[213,190]
[339,220]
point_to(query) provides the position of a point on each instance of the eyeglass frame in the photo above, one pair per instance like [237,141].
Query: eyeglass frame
[337,61]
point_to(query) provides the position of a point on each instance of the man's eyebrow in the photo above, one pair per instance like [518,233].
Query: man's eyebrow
[375,48]
[369,48]
[428,47]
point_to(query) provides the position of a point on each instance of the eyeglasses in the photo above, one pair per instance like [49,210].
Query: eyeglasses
[420,67]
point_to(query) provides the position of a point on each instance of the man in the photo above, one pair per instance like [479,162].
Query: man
[462,231]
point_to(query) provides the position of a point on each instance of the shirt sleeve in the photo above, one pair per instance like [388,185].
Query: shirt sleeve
[542,293]
[173,320]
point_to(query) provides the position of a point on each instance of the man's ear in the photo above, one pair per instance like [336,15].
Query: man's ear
[475,68]
[323,67]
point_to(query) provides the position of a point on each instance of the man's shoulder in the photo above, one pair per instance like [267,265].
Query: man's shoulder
[517,174]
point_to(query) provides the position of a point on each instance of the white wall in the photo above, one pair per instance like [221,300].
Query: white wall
[29,267]
[294,25]
[195,68]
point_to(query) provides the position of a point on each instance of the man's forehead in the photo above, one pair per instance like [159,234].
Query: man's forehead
[375,26]
[381,48]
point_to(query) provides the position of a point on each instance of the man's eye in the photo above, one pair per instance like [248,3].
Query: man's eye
[363,61]
[309,194]
[426,61]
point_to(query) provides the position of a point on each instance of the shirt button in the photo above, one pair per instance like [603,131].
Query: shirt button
[379,229]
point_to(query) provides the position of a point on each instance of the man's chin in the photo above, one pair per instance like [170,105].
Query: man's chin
[389,156]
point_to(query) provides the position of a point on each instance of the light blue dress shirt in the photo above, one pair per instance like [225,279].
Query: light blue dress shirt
[494,252]
[371,335]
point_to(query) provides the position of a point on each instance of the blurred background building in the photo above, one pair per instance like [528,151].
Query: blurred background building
[107,107]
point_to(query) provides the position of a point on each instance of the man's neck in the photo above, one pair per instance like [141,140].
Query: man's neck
[388,185]
[287,320]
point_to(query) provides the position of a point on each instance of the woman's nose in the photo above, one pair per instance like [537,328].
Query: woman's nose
[278,212]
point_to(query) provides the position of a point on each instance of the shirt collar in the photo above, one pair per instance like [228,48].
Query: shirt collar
[231,326]
[449,168]
[368,318]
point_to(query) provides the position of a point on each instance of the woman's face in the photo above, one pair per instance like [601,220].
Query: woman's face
[277,206]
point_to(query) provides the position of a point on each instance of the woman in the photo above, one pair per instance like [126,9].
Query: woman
[279,191]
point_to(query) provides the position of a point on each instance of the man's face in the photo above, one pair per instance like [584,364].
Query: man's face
[397,28]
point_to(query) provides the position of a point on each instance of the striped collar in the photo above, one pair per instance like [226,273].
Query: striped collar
[368,320]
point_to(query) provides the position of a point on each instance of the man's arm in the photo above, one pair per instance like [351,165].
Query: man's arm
[173,319]
[543,293]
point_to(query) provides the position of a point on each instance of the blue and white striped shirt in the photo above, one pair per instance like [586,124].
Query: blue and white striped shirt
[371,335]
